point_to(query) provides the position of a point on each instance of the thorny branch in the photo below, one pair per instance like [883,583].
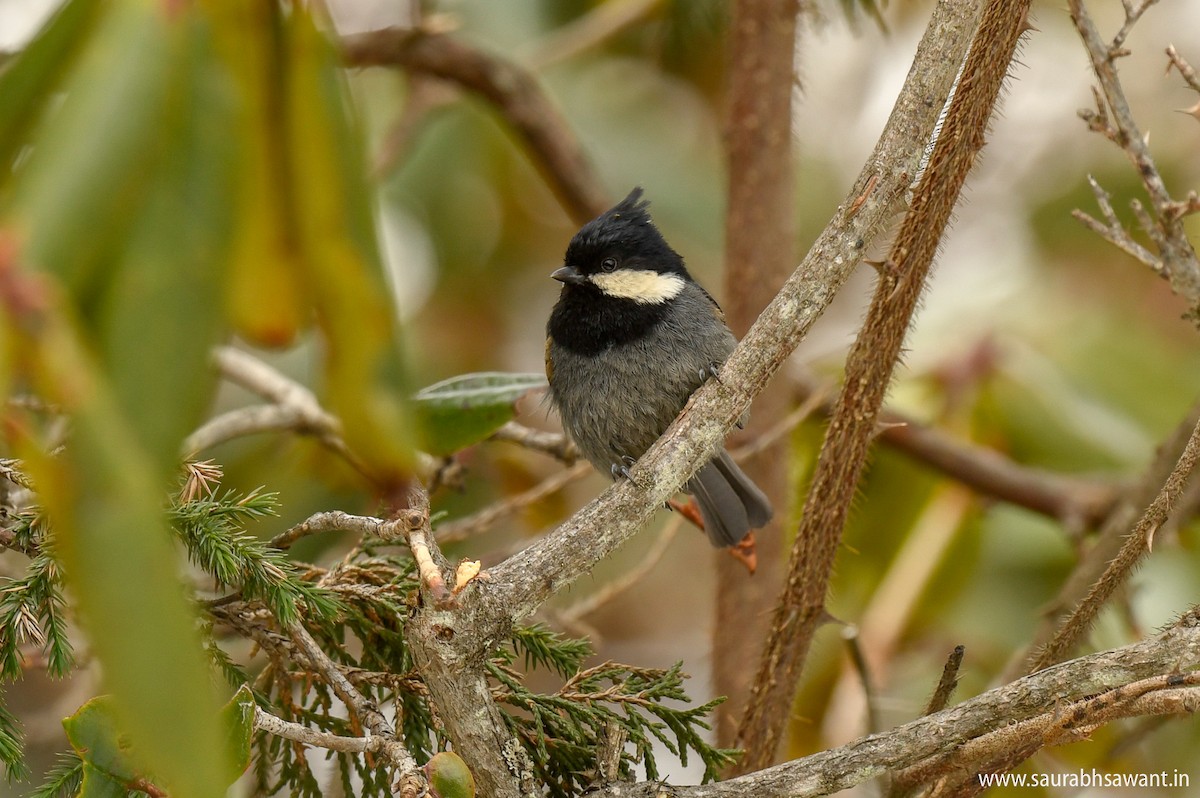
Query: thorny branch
[1135,547]
[869,367]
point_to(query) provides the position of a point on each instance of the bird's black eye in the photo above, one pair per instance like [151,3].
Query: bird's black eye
[608,264]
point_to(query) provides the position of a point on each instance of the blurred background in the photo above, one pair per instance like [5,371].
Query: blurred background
[1036,337]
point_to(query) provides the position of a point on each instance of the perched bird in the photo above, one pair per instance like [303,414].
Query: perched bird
[631,337]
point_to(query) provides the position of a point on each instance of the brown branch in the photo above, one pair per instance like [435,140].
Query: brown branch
[1136,545]
[760,243]
[1168,657]
[412,781]
[1176,258]
[801,608]
[554,444]
[513,91]
[1186,70]
[485,518]
[1078,502]
[947,683]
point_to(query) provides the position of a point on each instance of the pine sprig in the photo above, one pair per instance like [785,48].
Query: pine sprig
[12,752]
[563,731]
[31,612]
[212,530]
[541,647]
[63,780]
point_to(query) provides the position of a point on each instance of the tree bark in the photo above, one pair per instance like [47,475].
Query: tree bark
[759,253]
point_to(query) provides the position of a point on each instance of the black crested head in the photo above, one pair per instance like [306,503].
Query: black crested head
[624,234]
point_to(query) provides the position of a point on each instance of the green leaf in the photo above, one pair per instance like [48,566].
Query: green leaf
[333,203]
[449,776]
[89,170]
[463,410]
[94,734]
[238,718]
[98,784]
[30,80]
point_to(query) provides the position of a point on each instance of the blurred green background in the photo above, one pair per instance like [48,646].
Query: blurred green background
[1036,337]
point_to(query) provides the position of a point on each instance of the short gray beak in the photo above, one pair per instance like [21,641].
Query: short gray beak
[569,275]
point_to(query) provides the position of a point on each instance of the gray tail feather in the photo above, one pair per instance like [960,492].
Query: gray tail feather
[730,503]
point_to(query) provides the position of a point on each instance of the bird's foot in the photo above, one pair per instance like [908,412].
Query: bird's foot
[621,469]
[711,372]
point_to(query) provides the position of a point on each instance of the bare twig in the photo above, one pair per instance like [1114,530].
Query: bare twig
[482,520]
[512,90]
[947,683]
[1186,70]
[1176,256]
[412,780]
[554,444]
[1136,545]
[1122,516]
[330,521]
[628,579]
[1112,231]
[265,721]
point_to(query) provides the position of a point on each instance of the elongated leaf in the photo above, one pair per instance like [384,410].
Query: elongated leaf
[267,297]
[364,367]
[464,410]
[121,205]
[31,79]
[168,277]
[81,191]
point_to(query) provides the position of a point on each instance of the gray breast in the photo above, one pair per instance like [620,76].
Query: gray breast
[619,402]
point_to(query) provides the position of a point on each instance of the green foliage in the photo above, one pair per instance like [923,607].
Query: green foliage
[466,409]
[212,530]
[31,608]
[11,753]
[563,732]
[63,780]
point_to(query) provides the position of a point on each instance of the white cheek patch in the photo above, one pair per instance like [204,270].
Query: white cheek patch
[640,285]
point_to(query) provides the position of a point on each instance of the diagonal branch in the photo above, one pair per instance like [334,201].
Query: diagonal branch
[1135,547]
[519,585]
[1103,686]
[869,368]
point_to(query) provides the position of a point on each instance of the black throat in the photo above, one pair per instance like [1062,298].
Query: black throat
[587,322]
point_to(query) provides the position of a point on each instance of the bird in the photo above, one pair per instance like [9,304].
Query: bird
[629,340]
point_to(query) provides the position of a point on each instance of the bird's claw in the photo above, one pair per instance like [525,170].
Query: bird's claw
[711,371]
[621,469]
